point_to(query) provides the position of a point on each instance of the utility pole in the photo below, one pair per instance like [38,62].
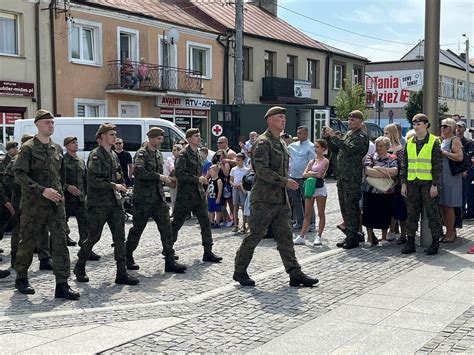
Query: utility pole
[239,57]
[468,86]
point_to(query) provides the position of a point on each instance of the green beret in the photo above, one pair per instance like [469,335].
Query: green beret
[275,110]
[43,115]
[26,137]
[155,132]
[357,114]
[191,132]
[11,145]
[105,127]
[69,139]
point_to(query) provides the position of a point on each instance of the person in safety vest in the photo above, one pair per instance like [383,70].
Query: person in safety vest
[421,171]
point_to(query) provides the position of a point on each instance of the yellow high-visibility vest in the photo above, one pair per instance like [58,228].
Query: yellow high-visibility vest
[419,165]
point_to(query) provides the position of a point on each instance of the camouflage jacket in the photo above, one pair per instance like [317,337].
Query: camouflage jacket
[351,148]
[187,172]
[270,160]
[9,184]
[76,175]
[103,172]
[37,167]
[148,167]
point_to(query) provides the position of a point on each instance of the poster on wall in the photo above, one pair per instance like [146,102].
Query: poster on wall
[302,88]
[392,87]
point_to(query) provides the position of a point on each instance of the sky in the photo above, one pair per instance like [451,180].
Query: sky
[399,21]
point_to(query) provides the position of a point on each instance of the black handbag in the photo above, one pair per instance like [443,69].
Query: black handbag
[458,167]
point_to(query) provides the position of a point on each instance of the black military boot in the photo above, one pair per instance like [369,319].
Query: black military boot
[12,260]
[4,273]
[175,257]
[46,264]
[80,272]
[23,286]
[300,279]
[70,242]
[351,242]
[210,257]
[172,266]
[243,278]
[341,243]
[123,278]
[433,248]
[409,246]
[360,237]
[64,291]
[131,265]
[93,256]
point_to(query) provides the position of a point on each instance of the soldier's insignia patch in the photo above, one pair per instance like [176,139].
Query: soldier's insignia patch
[140,154]
[261,142]
[95,157]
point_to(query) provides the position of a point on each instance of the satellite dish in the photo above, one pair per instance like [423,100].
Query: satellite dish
[172,35]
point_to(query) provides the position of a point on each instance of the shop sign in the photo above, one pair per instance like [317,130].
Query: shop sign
[183,112]
[393,87]
[14,88]
[200,113]
[10,117]
[169,101]
[167,111]
[302,88]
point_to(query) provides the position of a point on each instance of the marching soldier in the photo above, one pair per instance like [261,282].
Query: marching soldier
[5,213]
[190,196]
[39,170]
[104,184]
[75,191]
[149,201]
[269,203]
[351,148]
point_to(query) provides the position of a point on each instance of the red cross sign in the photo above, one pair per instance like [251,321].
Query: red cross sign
[216,130]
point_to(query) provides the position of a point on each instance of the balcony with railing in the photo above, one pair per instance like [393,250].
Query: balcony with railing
[151,79]
[284,90]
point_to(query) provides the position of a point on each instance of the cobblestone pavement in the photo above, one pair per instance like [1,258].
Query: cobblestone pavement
[220,316]
[457,337]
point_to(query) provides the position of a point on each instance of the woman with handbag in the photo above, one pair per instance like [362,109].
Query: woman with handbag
[316,169]
[451,185]
[381,170]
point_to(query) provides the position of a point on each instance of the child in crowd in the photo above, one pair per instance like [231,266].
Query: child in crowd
[214,194]
[238,195]
[206,163]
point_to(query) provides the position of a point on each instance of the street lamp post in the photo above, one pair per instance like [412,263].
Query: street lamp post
[468,85]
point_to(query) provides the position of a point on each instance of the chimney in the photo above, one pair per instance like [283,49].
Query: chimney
[270,6]
[463,56]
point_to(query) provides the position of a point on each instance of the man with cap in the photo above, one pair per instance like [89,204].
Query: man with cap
[105,184]
[190,196]
[149,201]
[39,170]
[43,247]
[5,215]
[269,203]
[75,191]
[350,149]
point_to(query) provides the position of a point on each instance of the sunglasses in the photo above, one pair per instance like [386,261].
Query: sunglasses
[220,142]
[118,143]
[444,126]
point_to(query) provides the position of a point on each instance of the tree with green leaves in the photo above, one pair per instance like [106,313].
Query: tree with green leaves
[415,105]
[350,98]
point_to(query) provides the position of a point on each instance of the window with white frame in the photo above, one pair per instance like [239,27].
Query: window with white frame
[199,59]
[129,109]
[90,108]
[9,34]
[357,75]
[85,42]
[338,76]
[461,90]
[313,73]
[447,87]
[127,44]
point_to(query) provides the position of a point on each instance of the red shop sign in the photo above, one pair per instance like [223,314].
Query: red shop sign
[167,111]
[184,112]
[201,113]
[14,88]
[10,117]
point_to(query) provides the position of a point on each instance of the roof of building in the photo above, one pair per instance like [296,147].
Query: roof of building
[345,53]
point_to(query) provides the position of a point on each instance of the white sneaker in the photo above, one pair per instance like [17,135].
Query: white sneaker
[299,241]
[317,240]
[229,224]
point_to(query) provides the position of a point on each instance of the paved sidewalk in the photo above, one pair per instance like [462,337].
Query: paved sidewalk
[369,300]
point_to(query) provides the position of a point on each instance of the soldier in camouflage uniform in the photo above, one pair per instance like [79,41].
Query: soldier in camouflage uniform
[269,203]
[39,170]
[4,202]
[44,254]
[75,191]
[351,149]
[104,184]
[5,215]
[190,196]
[419,190]
[149,201]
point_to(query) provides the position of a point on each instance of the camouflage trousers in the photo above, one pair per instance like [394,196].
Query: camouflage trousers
[78,210]
[114,216]
[197,205]
[418,196]
[261,216]
[34,219]
[141,214]
[349,193]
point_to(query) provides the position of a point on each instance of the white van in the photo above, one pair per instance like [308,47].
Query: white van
[131,130]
